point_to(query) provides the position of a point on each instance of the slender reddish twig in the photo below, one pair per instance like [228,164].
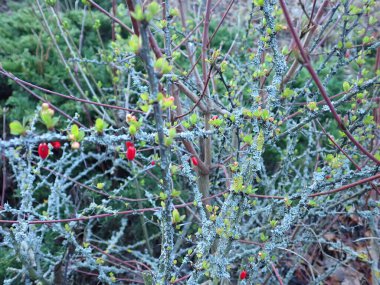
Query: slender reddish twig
[277,274]
[135,24]
[43,100]
[127,263]
[345,187]
[340,149]
[118,279]
[181,279]
[84,218]
[224,168]
[195,28]
[220,22]
[111,16]
[18,80]
[312,12]
[377,62]
[200,97]
[266,196]
[205,42]
[251,242]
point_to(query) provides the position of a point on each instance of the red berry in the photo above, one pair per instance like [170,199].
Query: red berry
[328,176]
[131,153]
[56,145]
[153,162]
[243,274]
[194,160]
[43,150]
[128,144]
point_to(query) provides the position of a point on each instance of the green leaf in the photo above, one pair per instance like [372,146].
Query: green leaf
[193,119]
[257,113]
[144,108]
[163,196]
[346,86]
[80,136]
[265,115]
[17,128]
[368,120]
[162,66]
[47,120]
[288,93]
[176,217]
[152,9]
[132,130]
[144,96]
[258,3]
[248,139]
[100,125]
[138,13]
[134,44]
[172,132]
[75,130]
[263,237]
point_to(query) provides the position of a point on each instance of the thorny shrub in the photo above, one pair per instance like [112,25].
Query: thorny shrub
[220,141]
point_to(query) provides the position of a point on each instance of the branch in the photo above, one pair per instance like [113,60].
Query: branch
[317,81]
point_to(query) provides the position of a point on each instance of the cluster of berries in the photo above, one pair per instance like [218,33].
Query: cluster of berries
[43,149]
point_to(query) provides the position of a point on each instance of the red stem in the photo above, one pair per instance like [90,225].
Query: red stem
[277,274]
[345,187]
[20,81]
[200,98]
[205,42]
[127,263]
[135,24]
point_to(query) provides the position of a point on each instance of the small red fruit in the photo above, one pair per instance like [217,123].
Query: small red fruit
[43,150]
[243,274]
[153,163]
[128,144]
[194,160]
[131,153]
[56,145]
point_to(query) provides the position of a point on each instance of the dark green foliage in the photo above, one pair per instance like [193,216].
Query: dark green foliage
[28,52]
